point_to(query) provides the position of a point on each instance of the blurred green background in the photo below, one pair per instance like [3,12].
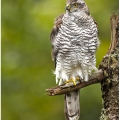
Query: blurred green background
[26,59]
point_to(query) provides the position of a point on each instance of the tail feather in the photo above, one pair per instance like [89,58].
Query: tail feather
[72,105]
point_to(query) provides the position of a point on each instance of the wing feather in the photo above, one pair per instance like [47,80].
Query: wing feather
[54,32]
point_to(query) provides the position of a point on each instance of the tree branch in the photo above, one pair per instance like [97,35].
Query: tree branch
[58,90]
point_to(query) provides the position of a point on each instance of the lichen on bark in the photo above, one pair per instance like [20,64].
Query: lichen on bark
[110,85]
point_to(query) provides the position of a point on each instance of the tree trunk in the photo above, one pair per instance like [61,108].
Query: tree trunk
[110,67]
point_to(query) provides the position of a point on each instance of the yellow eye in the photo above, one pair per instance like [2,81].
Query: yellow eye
[76,5]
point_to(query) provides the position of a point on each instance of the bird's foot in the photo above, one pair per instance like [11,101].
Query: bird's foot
[78,78]
[73,80]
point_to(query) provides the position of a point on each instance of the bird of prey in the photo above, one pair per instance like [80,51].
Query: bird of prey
[74,40]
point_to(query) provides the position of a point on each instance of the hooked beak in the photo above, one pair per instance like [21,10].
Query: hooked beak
[67,8]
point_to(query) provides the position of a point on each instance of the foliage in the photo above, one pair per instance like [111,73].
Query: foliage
[26,60]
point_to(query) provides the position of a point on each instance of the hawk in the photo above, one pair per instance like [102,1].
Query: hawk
[74,40]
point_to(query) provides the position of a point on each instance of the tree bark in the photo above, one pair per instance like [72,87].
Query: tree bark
[110,67]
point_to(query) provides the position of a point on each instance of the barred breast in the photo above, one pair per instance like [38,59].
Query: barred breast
[76,42]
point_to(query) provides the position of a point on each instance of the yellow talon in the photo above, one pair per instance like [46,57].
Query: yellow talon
[68,81]
[73,81]
[77,78]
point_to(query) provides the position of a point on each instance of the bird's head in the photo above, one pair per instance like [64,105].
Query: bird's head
[76,6]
